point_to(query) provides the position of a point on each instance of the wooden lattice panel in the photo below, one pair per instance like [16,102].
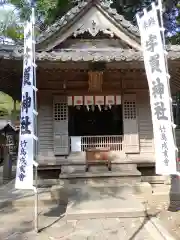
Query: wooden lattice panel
[130,122]
[129,110]
[60,111]
[60,116]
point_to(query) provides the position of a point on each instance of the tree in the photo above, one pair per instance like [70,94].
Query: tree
[10,27]
[48,11]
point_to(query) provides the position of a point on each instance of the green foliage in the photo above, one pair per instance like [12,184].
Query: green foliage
[48,11]
[7,104]
[10,26]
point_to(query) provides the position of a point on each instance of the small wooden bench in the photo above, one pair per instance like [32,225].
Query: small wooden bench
[97,156]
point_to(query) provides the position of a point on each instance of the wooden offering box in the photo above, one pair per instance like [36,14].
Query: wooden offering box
[98,156]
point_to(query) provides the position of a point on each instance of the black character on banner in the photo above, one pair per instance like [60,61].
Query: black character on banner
[154,63]
[164,145]
[151,43]
[22,169]
[27,76]
[163,133]
[28,34]
[162,129]
[23,161]
[166,159]
[160,111]
[158,88]
[27,55]
[23,152]
[149,23]
[21,176]
[25,125]
[26,104]
[23,143]
[163,137]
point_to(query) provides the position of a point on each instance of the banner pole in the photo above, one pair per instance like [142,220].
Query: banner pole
[168,76]
[36,220]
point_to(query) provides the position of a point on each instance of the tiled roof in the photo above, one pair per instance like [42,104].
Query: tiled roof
[89,55]
[62,22]
[120,19]
[72,13]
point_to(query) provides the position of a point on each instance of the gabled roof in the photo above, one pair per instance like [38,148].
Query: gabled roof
[62,25]
[88,55]
[6,126]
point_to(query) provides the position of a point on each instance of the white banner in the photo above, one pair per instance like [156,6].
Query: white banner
[157,76]
[24,172]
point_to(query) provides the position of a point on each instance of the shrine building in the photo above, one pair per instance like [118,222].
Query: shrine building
[92,87]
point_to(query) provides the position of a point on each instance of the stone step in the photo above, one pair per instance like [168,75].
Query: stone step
[95,181]
[101,202]
[96,175]
[154,179]
[100,175]
[99,167]
[81,202]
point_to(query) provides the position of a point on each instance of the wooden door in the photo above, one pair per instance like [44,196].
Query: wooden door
[130,124]
[60,116]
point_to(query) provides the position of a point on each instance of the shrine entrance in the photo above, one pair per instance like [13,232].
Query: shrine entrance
[96,126]
[95,121]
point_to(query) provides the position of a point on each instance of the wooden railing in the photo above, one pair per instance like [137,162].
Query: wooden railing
[114,142]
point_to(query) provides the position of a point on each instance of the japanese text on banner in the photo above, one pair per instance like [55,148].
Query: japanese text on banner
[24,172]
[154,61]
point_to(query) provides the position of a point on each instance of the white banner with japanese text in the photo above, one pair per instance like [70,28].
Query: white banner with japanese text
[157,76]
[24,171]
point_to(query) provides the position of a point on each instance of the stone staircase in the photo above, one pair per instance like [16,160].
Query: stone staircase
[73,171]
[99,175]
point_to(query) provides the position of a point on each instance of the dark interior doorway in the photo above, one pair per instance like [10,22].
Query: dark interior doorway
[89,123]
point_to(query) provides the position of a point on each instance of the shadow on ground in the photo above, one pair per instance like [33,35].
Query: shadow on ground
[174,194]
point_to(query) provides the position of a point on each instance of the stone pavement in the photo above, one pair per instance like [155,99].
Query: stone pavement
[18,225]
[16,220]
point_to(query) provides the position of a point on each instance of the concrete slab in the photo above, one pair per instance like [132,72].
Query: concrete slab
[96,202]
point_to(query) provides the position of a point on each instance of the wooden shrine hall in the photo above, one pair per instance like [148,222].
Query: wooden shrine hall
[92,87]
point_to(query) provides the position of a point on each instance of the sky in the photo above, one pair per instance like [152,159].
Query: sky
[8,13]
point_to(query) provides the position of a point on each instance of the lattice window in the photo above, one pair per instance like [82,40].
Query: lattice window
[60,111]
[130,110]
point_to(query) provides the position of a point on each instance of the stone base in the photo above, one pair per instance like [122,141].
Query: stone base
[97,202]
[59,195]
[143,191]
[100,176]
